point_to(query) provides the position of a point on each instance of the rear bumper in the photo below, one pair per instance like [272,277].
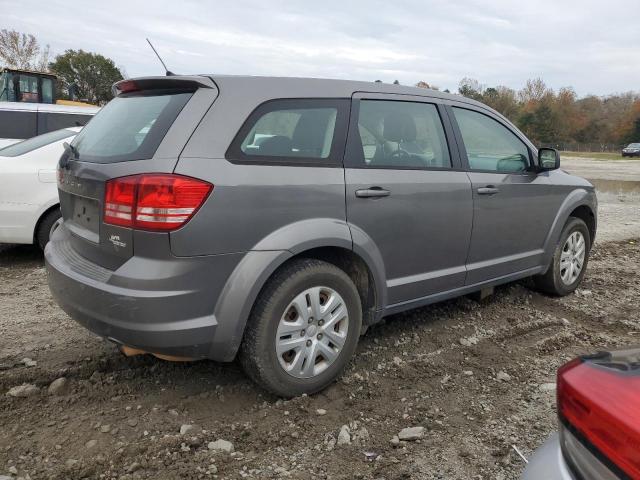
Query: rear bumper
[548,463]
[160,305]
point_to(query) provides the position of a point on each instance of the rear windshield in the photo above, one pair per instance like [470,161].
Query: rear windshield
[129,127]
[34,143]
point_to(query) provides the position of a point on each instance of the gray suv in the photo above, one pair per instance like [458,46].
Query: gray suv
[275,219]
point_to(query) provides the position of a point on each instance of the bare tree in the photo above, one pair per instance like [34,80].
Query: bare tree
[22,51]
[534,90]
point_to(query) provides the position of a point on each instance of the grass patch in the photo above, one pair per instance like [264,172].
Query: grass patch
[598,155]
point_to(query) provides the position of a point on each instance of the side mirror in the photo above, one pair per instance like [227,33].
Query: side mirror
[548,159]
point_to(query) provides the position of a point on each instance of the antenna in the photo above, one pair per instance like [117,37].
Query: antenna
[168,73]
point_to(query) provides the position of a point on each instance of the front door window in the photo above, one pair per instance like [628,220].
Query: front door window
[491,147]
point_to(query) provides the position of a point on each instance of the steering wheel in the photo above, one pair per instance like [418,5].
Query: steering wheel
[400,155]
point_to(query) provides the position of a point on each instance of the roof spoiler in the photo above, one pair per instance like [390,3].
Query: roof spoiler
[182,82]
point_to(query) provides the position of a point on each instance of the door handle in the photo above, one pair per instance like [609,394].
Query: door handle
[488,190]
[373,192]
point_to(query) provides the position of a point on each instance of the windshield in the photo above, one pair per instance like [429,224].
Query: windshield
[34,143]
[129,127]
[634,145]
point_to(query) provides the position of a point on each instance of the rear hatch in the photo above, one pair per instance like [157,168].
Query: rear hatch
[141,131]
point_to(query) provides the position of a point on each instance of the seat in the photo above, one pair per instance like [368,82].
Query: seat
[399,133]
[308,138]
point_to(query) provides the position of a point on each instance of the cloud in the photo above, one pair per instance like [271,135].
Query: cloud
[587,44]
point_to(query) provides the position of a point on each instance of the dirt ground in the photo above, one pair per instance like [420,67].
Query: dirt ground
[476,375]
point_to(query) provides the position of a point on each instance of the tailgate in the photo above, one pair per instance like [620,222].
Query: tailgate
[141,131]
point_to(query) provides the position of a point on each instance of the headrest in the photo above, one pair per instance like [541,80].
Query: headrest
[399,127]
[310,130]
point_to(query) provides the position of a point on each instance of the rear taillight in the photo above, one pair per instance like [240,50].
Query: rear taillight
[157,201]
[600,403]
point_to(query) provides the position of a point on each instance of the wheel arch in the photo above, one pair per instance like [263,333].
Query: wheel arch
[586,214]
[250,276]
[579,203]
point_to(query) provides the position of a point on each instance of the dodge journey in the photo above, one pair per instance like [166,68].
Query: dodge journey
[275,219]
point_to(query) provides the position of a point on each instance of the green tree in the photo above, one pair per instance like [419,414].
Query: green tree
[502,99]
[470,88]
[89,75]
[634,133]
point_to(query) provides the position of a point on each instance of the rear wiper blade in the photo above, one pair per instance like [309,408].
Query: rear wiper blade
[70,148]
[71,152]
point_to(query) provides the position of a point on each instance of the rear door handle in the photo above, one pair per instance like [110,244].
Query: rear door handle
[373,192]
[488,190]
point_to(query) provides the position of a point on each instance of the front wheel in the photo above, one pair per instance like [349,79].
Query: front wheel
[569,262]
[303,328]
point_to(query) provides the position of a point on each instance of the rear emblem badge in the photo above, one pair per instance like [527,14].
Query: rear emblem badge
[115,239]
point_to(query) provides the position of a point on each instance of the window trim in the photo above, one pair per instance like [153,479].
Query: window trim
[235,155]
[354,143]
[463,150]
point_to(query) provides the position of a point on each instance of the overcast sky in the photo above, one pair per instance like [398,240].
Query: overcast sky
[593,46]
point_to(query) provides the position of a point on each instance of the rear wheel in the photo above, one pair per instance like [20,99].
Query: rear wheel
[303,329]
[47,225]
[569,262]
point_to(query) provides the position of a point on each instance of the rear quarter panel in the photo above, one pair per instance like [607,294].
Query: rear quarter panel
[256,206]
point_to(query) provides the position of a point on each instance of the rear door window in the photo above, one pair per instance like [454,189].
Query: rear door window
[293,131]
[399,134]
[129,127]
[17,124]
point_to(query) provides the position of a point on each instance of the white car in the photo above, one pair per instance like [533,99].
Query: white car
[5,142]
[29,205]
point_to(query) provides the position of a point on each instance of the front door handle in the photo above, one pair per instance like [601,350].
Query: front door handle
[372,192]
[488,190]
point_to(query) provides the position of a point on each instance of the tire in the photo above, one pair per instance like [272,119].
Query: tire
[552,281]
[45,226]
[267,323]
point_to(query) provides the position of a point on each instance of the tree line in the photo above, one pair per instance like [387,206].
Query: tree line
[544,115]
[556,117]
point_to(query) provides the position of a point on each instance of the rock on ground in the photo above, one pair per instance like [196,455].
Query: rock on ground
[344,437]
[21,391]
[59,386]
[221,446]
[411,433]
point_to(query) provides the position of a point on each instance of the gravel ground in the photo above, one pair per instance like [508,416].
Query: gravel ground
[618,187]
[476,376]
